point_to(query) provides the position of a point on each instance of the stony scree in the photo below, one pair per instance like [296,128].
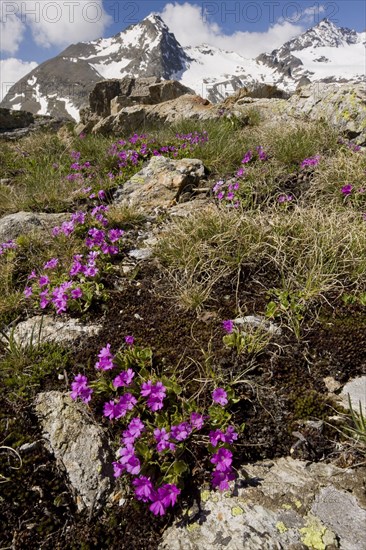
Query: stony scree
[79,447]
[282,504]
[160,183]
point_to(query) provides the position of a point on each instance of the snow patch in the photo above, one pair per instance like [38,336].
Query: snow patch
[41,100]
[113,69]
[71,109]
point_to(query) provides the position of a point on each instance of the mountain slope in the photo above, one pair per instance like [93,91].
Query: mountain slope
[61,85]
[325,53]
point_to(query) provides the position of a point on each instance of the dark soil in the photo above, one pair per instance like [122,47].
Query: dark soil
[284,390]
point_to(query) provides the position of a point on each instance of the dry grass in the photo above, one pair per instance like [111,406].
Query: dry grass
[333,172]
[304,249]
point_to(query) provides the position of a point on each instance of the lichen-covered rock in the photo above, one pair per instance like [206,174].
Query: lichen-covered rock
[285,504]
[79,447]
[342,105]
[45,328]
[23,223]
[185,107]
[256,90]
[160,183]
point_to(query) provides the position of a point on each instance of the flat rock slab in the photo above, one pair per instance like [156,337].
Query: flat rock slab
[285,504]
[22,223]
[160,183]
[356,389]
[48,329]
[79,447]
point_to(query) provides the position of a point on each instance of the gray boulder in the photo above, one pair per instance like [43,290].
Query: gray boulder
[45,328]
[342,105]
[285,504]
[79,447]
[160,183]
[22,223]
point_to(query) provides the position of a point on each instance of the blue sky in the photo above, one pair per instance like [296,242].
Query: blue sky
[32,31]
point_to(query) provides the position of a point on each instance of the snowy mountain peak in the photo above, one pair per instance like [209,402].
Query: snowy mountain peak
[325,33]
[156,20]
[61,85]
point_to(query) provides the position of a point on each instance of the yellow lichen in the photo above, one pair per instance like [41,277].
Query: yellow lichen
[205,495]
[192,527]
[298,504]
[286,506]
[281,527]
[315,535]
[237,511]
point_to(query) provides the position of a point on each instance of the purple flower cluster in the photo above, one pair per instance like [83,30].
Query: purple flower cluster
[145,398]
[128,461]
[117,409]
[58,296]
[67,228]
[229,436]
[105,359]
[247,157]
[355,148]
[160,499]
[81,389]
[227,192]
[8,245]
[228,326]
[262,155]
[223,472]
[219,396]
[347,189]
[155,394]
[124,379]
[146,147]
[311,161]
[162,439]
[283,199]
[100,244]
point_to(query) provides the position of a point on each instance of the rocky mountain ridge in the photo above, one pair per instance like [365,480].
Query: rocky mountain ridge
[61,85]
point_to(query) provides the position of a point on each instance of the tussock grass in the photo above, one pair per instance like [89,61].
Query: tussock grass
[291,143]
[124,216]
[333,172]
[304,250]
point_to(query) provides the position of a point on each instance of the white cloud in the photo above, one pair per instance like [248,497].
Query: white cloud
[11,33]
[12,70]
[312,14]
[62,22]
[191,29]
[53,23]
